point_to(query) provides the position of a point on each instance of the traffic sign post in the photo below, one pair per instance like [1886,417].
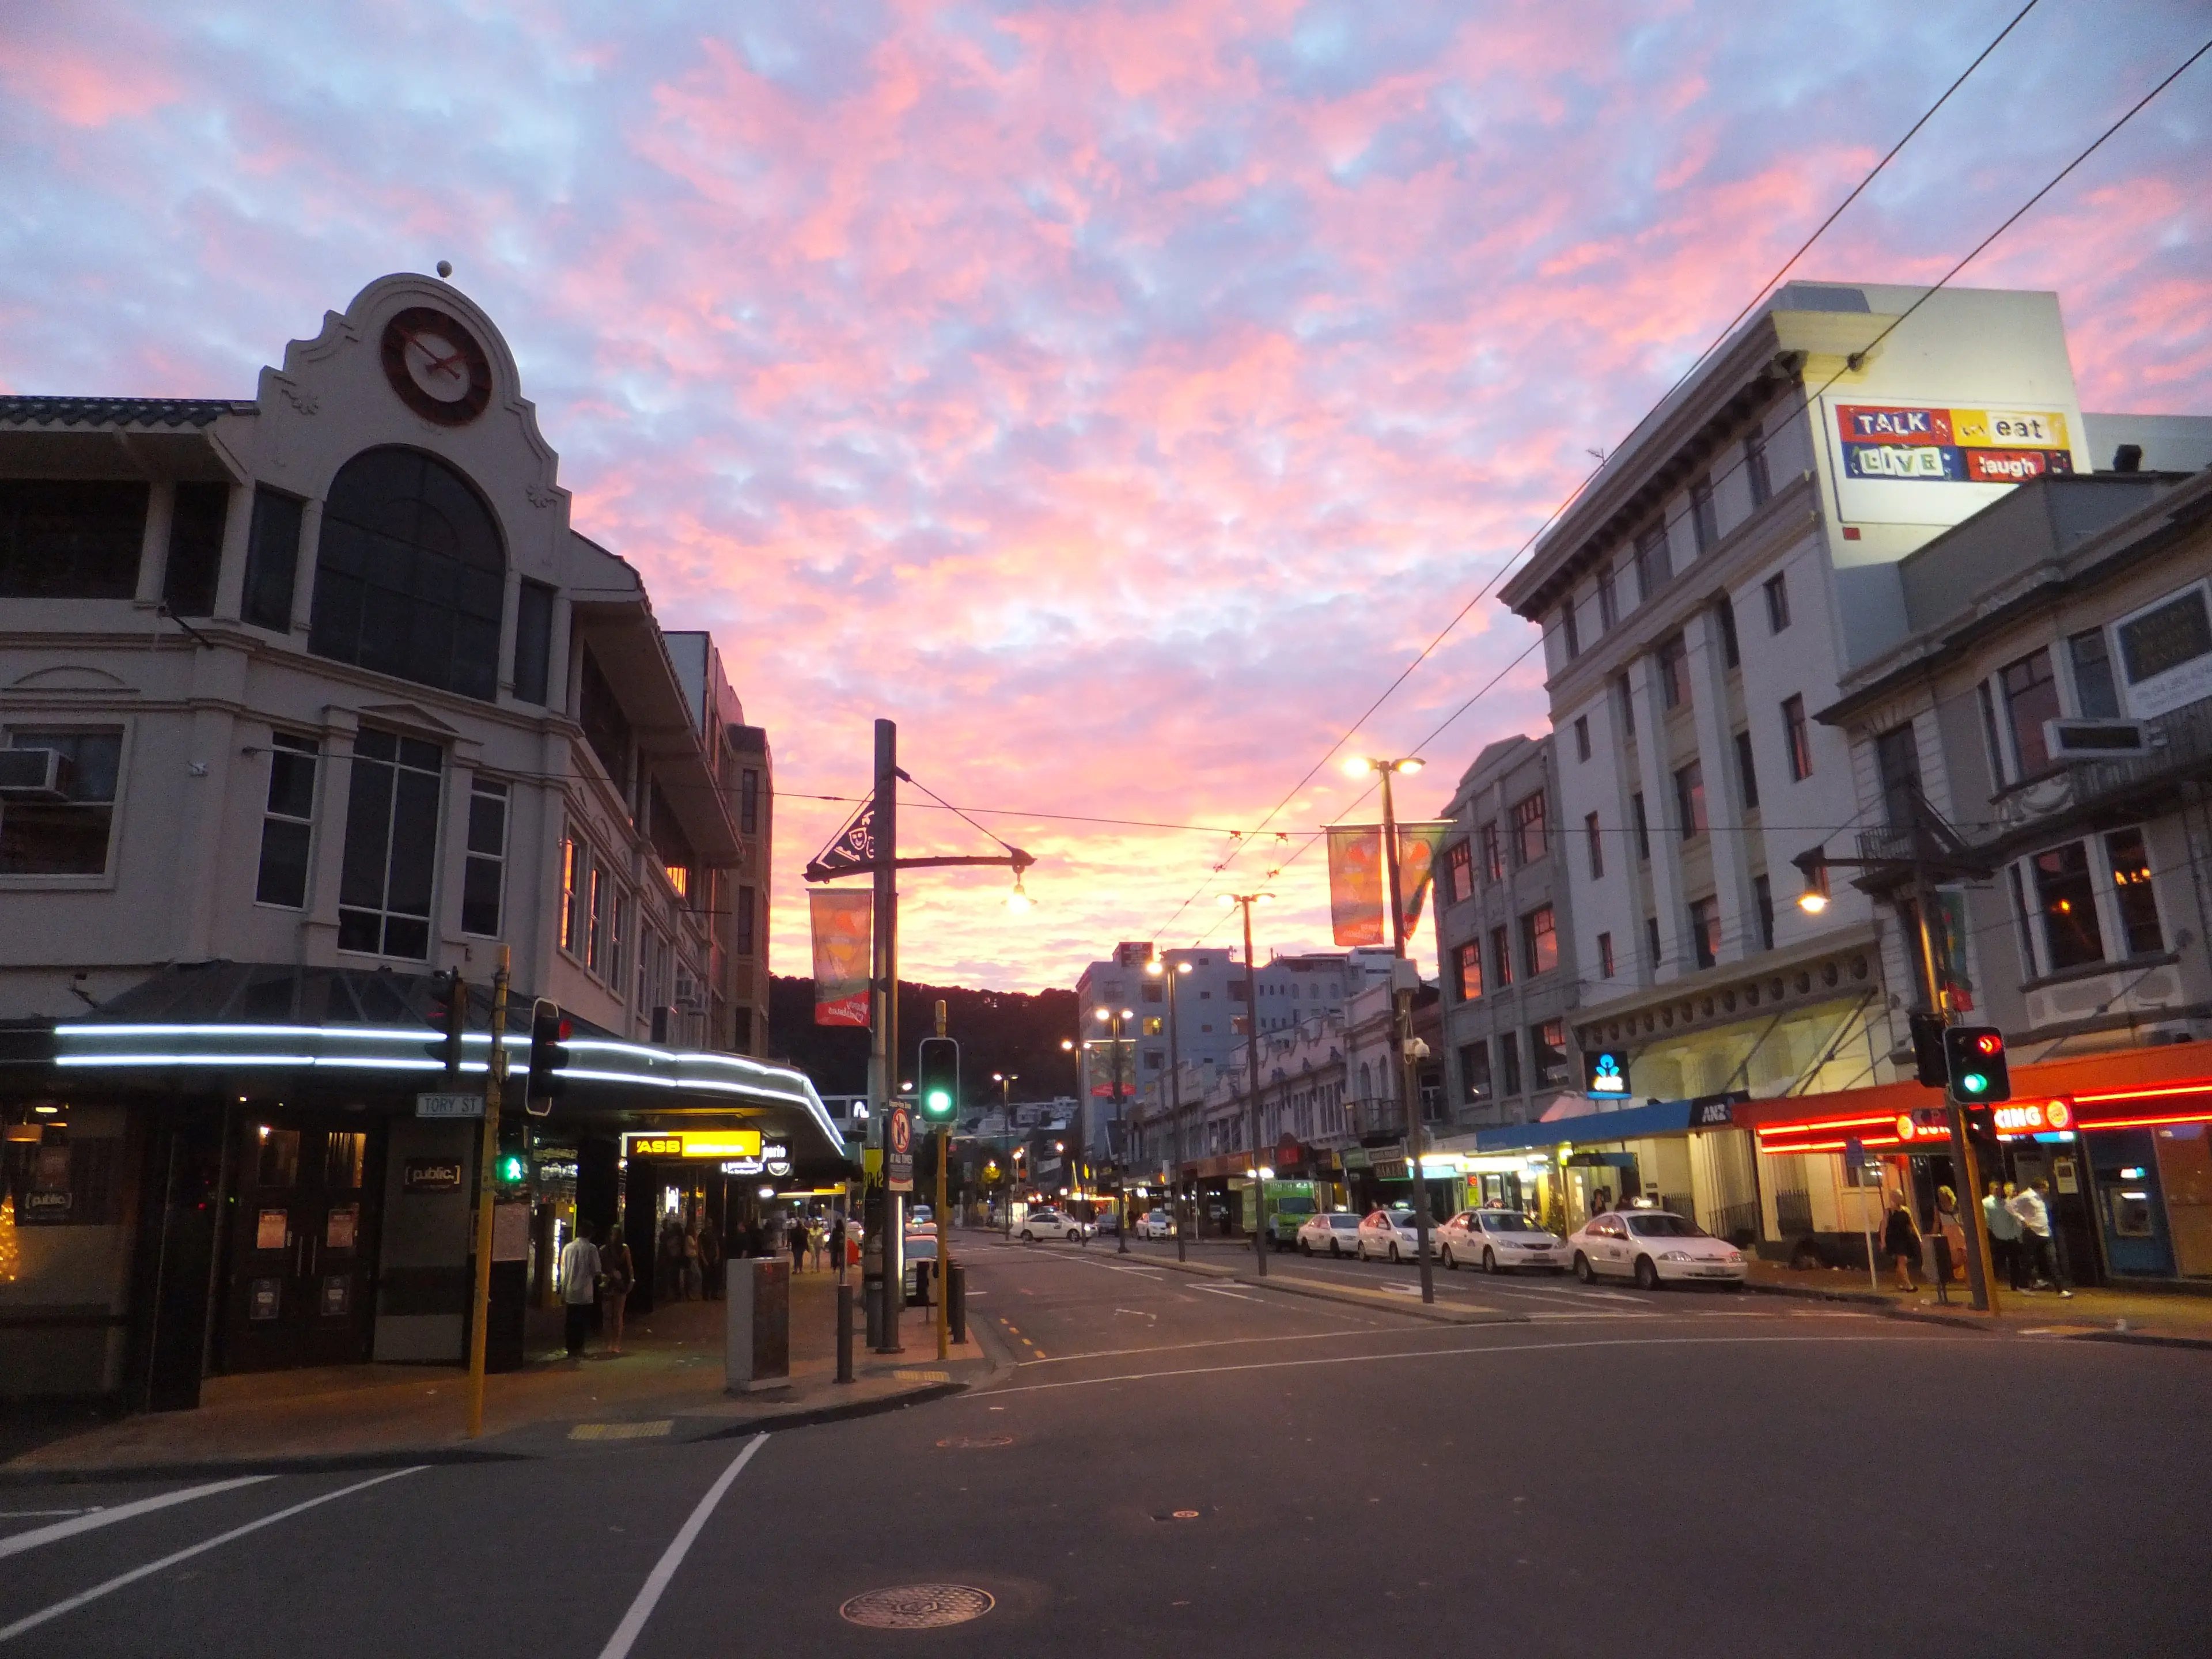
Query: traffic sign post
[449,1105]
[898,1150]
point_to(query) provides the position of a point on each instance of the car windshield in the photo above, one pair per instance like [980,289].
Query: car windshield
[1344,1219]
[1294,1207]
[1402,1217]
[920,1248]
[1659,1224]
[1508,1221]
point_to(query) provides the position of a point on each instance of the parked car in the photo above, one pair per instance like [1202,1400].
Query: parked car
[1336,1231]
[919,1246]
[1155,1224]
[1389,1236]
[1108,1221]
[1498,1240]
[1653,1247]
[1052,1223]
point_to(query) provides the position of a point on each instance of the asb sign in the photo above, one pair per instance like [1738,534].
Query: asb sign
[1605,1075]
[710,1143]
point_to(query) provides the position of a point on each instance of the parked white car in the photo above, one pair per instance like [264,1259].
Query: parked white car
[1052,1223]
[1335,1232]
[1498,1240]
[1155,1224]
[1389,1236]
[1653,1247]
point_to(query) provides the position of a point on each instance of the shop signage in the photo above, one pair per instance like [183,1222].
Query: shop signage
[1716,1111]
[2032,1117]
[430,1174]
[713,1143]
[898,1145]
[46,1208]
[49,1199]
[1605,1075]
[449,1106]
[1390,1169]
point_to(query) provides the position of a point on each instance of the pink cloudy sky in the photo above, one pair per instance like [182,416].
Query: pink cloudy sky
[1116,395]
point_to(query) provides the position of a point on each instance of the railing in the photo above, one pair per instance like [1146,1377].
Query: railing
[1793,1214]
[1736,1222]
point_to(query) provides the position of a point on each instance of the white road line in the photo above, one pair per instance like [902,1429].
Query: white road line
[87,1521]
[28,1514]
[33,1620]
[1445,1353]
[1219,1290]
[618,1644]
[1217,1342]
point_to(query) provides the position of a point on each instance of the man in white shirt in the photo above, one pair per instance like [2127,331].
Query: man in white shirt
[2032,1205]
[579,1286]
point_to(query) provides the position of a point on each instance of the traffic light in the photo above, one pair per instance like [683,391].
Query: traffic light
[1929,1059]
[1974,1058]
[550,1032]
[449,1013]
[511,1168]
[937,1077]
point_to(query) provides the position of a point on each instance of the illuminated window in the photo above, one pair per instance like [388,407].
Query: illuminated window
[1540,940]
[575,856]
[2068,903]
[1528,830]
[2136,899]
[1468,960]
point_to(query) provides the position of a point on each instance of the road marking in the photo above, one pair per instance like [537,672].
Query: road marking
[33,1620]
[921,1376]
[648,1596]
[86,1522]
[653,1430]
[28,1514]
[1223,1289]
[1216,1342]
[1446,1354]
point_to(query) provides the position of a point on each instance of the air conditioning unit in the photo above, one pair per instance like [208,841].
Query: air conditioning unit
[35,775]
[2095,740]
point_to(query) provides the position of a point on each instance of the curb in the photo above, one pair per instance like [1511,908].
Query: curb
[876,1408]
[2143,1339]
[217,1468]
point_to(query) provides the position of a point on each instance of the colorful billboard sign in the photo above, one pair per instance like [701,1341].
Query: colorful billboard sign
[842,949]
[1886,453]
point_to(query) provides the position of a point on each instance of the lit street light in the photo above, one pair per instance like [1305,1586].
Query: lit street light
[1244,902]
[1005,1081]
[1157,967]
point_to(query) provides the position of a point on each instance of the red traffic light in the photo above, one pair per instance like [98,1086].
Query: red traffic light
[1988,1042]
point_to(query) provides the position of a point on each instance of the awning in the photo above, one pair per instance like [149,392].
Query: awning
[1666,1117]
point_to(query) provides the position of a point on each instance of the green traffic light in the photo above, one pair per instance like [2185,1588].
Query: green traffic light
[939,1101]
[511,1169]
[1974,1083]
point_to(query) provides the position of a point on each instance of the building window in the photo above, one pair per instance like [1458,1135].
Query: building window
[1777,604]
[598,902]
[1608,605]
[1796,740]
[1731,647]
[621,924]
[196,512]
[288,821]
[1605,956]
[1547,1054]
[533,643]
[2068,902]
[1897,766]
[1762,896]
[1529,830]
[749,801]
[1643,827]
[1474,1071]
[1651,941]
[1705,930]
[1468,959]
[1509,1062]
[2030,697]
[1690,799]
[1674,660]
[1238,991]
[1459,871]
[1652,570]
[606,729]
[1149,994]
[1540,941]
[1624,695]
[1754,467]
[390,845]
[746,900]
[483,880]
[66,539]
[1568,634]
[1156,1060]
[411,574]
[575,859]
[67,834]
[1596,837]
[1581,738]
[1747,772]
[2095,692]
[1501,957]
[1153,1024]
[1239,1025]
[1494,860]
[1704,519]
[2129,861]
[272,559]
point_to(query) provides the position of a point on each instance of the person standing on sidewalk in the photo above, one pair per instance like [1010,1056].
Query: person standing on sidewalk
[616,1269]
[710,1259]
[2032,1207]
[1900,1240]
[2004,1230]
[799,1243]
[1950,1242]
[579,1286]
[837,1242]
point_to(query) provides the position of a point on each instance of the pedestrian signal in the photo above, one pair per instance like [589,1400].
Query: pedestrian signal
[550,1032]
[1974,1060]
[937,1078]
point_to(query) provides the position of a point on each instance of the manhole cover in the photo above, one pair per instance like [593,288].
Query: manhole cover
[964,1440]
[917,1607]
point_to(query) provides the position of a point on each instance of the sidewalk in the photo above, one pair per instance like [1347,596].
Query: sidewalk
[666,1384]
[2124,1315]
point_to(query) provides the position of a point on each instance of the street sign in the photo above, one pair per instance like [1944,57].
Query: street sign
[1855,1157]
[449,1105]
[898,1144]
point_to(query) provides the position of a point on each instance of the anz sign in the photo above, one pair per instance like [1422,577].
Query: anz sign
[1605,1075]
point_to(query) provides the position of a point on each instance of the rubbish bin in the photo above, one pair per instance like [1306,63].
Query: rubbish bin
[756,1324]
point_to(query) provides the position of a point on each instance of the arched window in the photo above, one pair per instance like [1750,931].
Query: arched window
[411,574]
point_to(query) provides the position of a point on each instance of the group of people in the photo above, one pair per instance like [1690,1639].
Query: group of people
[2021,1241]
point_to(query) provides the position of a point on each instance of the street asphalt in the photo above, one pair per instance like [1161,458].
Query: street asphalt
[1166,1464]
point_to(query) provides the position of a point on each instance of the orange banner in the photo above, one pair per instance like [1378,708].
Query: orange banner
[1355,883]
[1420,846]
[843,948]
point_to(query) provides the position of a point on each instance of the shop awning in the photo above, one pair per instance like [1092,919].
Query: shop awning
[1665,1117]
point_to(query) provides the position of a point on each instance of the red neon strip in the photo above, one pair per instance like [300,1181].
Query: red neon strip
[2149,1094]
[1825,1123]
[2145,1122]
[1871,1145]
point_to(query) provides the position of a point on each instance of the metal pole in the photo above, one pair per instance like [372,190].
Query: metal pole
[1006,1155]
[890,1242]
[943,1228]
[1174,1113]
[1252,1083]
[1980,1285]
[1121,1093]
[487,1155]
[1401,1025]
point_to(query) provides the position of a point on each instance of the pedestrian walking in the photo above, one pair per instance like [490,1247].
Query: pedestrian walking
[668,1260]
[1900,1240]
[579,1286]
[2004,1230]
[837,1243]
[691,1261]
[776,1230]
[818,1237]
[1950,1242]
[799,1243]
[710,1259]
[615,1277]
[2032,1205]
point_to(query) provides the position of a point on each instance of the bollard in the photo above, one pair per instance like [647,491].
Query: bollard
[872,1299]
[844,1333]
[955,1302]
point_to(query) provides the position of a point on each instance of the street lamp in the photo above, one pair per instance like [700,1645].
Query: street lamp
[1114,1018]
[1157,967]
[1402,1003]
[1244,902]
[1005,1081]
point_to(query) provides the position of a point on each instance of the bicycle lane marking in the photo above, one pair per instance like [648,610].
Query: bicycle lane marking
[648,1596]
[16,1543]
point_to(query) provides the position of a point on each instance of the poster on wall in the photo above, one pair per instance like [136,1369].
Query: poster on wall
[1938,464]
[843,949]
[2166,653]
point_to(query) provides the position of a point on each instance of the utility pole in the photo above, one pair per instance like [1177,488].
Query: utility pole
[890,1240]
[1172,972]
[943,1224]
[487,1155]
[1401,1025]
[1245,902]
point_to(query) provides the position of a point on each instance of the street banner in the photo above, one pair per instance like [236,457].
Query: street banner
[1421,845]
[842,949]
[1355,883]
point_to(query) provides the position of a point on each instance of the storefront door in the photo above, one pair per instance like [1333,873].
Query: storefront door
[302,1246]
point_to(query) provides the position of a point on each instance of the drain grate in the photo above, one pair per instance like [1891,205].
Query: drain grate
[917,1607]
[962,1441]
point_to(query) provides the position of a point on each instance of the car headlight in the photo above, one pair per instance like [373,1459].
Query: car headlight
[1674,1256]
[1735,1255]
